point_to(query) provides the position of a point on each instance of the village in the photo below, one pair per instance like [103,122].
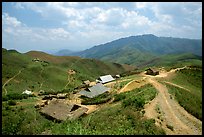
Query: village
[63,106]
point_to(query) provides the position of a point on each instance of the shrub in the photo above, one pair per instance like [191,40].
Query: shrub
[11,103]
[137,102]
[4,98]
[119,97]
[15,96]
[103,98]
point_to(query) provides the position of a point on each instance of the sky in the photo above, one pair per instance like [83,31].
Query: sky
[51,26]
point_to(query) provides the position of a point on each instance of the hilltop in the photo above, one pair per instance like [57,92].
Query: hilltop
[136,50]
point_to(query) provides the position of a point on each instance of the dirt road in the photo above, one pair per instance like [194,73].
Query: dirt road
[171,113]
[132,85]
[175,85]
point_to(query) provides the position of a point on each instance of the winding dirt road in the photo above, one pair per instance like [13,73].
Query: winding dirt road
[171,113]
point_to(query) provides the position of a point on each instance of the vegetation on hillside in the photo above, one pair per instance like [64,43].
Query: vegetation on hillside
[125,120]
[170,61]
[123,116]
[190,79]
[136,50]
[50,73]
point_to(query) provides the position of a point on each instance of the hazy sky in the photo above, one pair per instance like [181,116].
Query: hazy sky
[78,26]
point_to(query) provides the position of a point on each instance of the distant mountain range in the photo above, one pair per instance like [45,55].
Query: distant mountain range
[136,50]
[64,52]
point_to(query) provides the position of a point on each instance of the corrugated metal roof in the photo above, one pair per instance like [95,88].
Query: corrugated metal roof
[94,91]
[86,93]
[106,78]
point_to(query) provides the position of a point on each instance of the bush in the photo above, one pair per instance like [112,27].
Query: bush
[119,97]
[15,96]
[137,102]
[11,103]
[4,98]
[103,98]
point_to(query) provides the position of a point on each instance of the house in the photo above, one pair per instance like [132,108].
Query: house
[117,76]
[106,78]
[94,91]
[151,71]
[36,60]
[87,82]
[61,111]
[27,92]
[71,72]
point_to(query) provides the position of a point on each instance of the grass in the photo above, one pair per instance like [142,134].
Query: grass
[122,84]
[113,120]
[138,97]
[190,79]
[128,120]
[22,120]
[51,76]
[189,101]
[170,61]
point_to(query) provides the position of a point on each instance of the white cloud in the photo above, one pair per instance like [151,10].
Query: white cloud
[86,24]
[7,20]
[58,34]
[141,5]
[14,28]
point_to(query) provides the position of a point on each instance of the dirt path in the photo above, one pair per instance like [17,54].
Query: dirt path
[175,85]
[41,77]
[68,81]
[70,76]
[10,80]
[114,82]
[132,85]
[173,114]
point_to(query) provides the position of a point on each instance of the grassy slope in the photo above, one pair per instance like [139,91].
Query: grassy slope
[115,119]
[138,49]
[192,80]
[37,75]
[128,55]
[174,60]
[126,120]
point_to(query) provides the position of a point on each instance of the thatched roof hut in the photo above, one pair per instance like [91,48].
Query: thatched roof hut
[152,71]
[61,111]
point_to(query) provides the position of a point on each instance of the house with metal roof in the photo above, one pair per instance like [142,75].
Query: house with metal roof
[106,78]
[94,91]
[27,92]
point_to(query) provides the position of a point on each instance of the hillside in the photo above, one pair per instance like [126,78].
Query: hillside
[50,72]
[171,60]
[138,49]
[139,105]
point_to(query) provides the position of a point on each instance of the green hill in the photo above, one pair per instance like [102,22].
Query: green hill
[173,60]
[50,72]
[138,49]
